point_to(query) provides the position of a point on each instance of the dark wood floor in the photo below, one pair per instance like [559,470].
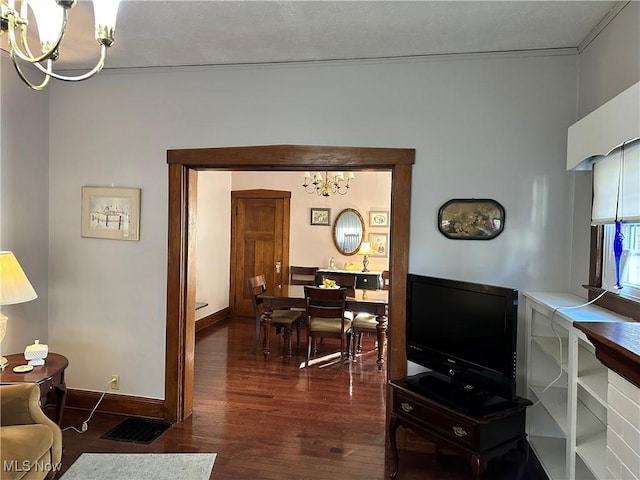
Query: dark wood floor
[277,421]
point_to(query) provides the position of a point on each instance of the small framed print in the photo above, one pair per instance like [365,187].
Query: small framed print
[379,218]
[379,244]
[321,216]
[111,213]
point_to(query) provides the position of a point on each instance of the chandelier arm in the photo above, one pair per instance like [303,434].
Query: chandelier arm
[33,86]
[89,74]
[28,56]
[306,188]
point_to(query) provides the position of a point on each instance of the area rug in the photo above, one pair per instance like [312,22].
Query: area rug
[141,466]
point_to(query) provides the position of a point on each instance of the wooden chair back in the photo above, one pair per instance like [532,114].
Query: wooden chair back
[325,302]
[326,317]
[386,280]
[302,275]
[257,285]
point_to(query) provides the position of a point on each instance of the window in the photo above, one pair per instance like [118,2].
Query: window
[629,262]
[616,197]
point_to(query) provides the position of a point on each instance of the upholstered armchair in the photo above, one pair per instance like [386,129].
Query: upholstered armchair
[30,442]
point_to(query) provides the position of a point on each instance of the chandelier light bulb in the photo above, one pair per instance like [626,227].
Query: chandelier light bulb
[49,18]
[105,13]
[51,22]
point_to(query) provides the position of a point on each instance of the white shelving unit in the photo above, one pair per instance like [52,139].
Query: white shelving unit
[567,425]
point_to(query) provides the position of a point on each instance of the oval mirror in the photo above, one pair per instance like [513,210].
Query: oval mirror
[348,231]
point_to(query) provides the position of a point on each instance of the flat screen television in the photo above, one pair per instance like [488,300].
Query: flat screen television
[465,334]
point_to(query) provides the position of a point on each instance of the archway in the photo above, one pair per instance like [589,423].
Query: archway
[183,166]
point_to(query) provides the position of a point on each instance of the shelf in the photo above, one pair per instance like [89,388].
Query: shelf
[546,370]
[551,347]
[554,400]
[588,426]
[540,423]
[596,384]
[592,375]
[592,451]
[551,453]
[584,473]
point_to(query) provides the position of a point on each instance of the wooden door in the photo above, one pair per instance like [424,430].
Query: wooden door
[259,242]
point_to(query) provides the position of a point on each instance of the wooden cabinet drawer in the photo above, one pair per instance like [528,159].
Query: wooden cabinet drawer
[368,282]
[433,419]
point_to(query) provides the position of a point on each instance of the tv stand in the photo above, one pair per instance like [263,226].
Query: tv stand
[440,388]
[478,437]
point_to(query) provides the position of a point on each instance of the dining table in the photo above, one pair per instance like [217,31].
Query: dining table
[375,302]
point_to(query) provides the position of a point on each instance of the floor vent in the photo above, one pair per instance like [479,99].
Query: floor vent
[137,430]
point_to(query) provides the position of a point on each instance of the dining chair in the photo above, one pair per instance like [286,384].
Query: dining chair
[366,322]
[326,318]
[283,320]
[302,275]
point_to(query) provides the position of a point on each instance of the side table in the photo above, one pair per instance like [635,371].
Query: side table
[49,377]
[478,438]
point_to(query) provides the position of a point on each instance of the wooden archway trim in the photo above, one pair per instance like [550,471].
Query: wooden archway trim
[183,164]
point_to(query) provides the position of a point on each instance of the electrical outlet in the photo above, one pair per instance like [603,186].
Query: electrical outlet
[115,382]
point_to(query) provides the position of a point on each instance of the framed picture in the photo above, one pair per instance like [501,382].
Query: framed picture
[379,218]
[112,213]
[471,219]
[379,244]
[321,216]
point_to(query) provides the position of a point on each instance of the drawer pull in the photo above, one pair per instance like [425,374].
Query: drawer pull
[406,407]
[459,431]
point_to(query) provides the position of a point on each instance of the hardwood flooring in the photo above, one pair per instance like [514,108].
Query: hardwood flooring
[275,421]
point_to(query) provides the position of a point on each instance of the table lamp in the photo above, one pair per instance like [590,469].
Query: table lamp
[14,288]
[365,249]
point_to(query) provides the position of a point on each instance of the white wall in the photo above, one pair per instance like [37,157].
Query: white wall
[24,200]
[213,234]
[608,65]
[611,62]
[485,126]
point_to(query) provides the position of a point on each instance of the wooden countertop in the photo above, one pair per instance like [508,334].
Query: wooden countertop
[617,346]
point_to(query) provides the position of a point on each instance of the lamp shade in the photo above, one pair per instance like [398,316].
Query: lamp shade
[14,284]
[365,248]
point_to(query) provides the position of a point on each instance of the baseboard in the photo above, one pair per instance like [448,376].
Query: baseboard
[128,405]
[213,318]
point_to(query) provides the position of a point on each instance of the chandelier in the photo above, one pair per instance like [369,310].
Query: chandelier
[51,20]
[326,186]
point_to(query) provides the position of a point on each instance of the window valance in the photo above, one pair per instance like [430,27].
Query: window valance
[604,129]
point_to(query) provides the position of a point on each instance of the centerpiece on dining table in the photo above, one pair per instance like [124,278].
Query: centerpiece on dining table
[328,283]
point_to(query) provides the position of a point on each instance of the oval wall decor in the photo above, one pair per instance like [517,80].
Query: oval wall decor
[471,219]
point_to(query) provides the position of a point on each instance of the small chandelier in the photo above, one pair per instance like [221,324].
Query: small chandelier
[328,186]
[51,19]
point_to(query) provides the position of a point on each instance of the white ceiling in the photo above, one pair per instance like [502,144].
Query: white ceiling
[152,33]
